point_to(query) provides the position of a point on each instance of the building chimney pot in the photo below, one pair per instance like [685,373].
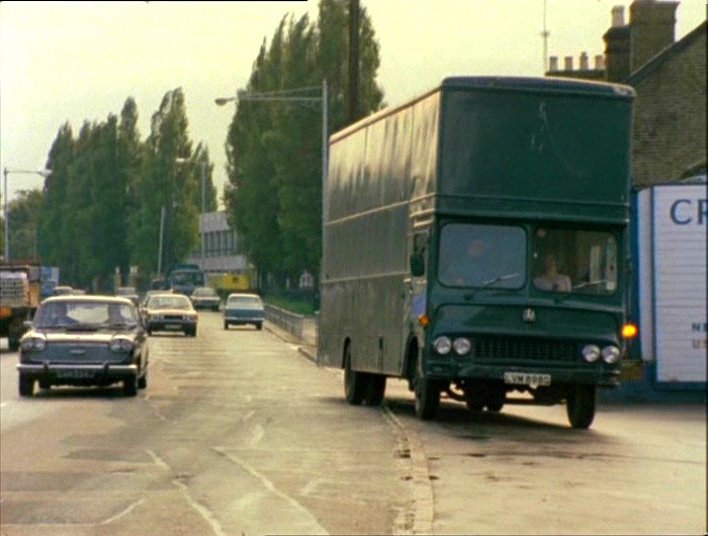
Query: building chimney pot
[552,64]
[599,62]
[584,66]
[568,63]
[617,16]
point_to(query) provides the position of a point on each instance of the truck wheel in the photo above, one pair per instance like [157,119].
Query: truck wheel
[375,389]
[26,386]
[580,405]
[354,382]
[427,395]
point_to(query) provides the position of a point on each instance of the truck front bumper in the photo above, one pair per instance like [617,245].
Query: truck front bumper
[603,377]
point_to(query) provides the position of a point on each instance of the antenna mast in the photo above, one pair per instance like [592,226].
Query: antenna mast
[544,34]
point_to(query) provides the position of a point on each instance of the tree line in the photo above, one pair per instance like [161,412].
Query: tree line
[109,191]
[101,205]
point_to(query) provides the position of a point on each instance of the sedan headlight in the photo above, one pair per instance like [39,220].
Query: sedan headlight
[33,344]
[591,353]
[442,345]
[462,345]
[121,344]
[610,354]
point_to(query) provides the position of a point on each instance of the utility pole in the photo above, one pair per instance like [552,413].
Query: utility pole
[354,55]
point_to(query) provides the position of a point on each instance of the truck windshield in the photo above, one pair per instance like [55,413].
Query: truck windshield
[474,255]
[574,260]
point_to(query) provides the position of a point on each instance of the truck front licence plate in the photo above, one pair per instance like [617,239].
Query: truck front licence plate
[525,378]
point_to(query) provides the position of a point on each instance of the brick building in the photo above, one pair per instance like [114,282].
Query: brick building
[669,135]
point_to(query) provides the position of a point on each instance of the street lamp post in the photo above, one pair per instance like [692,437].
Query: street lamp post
[302,96]
[42,173]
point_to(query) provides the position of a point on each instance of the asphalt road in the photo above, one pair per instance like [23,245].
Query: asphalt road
[238,433]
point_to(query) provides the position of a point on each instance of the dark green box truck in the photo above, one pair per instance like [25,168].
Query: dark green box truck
[476,244]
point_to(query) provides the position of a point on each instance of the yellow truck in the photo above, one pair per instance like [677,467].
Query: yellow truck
[20,294]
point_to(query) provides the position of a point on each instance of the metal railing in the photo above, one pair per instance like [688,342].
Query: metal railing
[301,327]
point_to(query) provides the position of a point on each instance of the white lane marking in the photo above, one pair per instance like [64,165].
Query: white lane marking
[268,485]
[123,513]
[256,435]
[159,461]
[203,511]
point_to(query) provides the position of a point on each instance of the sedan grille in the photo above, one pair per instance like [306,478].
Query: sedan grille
[65,352]
[518,348]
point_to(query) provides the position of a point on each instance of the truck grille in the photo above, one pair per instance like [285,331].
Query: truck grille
[518,348]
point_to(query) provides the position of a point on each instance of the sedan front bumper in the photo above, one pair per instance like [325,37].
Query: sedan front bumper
[98,372]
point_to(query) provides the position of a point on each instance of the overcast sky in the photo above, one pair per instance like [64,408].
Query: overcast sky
[65,61]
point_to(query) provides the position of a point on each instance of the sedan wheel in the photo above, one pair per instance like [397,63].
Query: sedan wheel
[130,386]
[26,386]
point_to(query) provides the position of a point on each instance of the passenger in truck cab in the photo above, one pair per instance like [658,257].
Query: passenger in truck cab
[551,279]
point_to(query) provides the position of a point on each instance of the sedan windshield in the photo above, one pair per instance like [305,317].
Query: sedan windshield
[244,302]
[169,302]
[204,292]
[96,314]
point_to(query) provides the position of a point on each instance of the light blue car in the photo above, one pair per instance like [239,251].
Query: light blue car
[243,309]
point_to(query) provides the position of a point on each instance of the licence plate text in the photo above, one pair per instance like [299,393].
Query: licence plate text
[526,378]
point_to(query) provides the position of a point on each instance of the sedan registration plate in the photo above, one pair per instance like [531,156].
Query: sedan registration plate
[526,378]
[75,373]
[175,327]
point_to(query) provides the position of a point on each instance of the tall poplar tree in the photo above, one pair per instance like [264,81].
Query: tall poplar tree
[166,184]
[274,148]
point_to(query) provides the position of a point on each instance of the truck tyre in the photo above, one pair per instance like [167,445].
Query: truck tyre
[354,382]
[130,386]
[580,405]
[26,386]
[427,395]
[375,389]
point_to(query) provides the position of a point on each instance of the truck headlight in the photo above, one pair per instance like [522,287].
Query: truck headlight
[462,345]
[591,353]
[442,345]
[610,354]
[121,344]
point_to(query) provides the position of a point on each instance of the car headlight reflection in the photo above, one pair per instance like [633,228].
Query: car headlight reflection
[591,353]
[610,354]
[121,344]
